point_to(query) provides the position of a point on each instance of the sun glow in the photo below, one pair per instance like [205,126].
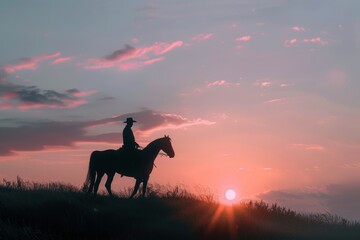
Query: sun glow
[230,194]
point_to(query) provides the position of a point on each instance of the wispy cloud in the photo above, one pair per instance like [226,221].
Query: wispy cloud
[149,121]
[316,40]
[135,65]
[209,85]
[276,100]
[310,147]
[130,57]
[28,63]
[246,38]
[61,60]
[63,133]
[202,37]
[218,83]
[298,29]
[291,42]
[265,83]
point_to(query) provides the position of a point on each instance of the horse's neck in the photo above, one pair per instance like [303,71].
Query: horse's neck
[152,150]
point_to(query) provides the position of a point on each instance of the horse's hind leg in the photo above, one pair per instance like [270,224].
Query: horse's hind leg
[137,184]
[92,181]
[108,182]
[144,186]
[97,182]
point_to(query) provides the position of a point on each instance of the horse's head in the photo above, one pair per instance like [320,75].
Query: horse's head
[167,147]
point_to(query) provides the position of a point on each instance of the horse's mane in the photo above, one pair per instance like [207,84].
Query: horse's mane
[154,142]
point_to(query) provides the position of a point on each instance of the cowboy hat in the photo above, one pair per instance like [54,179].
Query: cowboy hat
[129,120]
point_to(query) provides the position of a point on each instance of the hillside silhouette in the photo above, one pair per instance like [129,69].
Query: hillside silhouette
[59,211]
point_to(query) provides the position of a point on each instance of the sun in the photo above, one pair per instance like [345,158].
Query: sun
[230,194]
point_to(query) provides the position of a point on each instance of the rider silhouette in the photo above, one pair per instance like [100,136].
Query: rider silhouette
[128,137]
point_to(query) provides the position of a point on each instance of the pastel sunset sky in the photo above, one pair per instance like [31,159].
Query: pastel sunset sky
[259,96]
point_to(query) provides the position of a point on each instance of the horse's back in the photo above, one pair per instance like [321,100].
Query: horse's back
[104,152]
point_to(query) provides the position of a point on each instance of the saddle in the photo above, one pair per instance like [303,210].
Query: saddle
[129,160]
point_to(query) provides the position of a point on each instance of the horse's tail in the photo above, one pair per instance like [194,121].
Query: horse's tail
[91,174]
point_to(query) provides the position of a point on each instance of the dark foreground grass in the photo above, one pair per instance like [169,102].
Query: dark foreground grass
[58,211]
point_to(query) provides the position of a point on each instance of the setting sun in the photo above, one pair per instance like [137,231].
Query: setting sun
[230,194]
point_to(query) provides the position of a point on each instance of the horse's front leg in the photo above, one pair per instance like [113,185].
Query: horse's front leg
[137,184]
[109,181]
[145,181]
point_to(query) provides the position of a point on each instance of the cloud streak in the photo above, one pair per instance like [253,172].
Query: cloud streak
[218,83]
[61,60]
[316,40]
[291,42]
[276,100]
[310,147]
[243,38]
[129,57]
[263,83]
[298,29]
[57,133]
[28,63]
[202,37]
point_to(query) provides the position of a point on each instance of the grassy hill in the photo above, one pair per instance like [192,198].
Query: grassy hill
[58,211]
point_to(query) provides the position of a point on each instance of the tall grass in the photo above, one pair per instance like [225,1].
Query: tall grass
[31,210]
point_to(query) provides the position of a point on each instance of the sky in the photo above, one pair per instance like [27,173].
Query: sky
[258,96]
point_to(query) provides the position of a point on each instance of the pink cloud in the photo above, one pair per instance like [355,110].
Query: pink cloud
[275,100]
[298,29]
[29,63]
[243,39]
[82,93]
[161,48]
[138,56]
[175,121]
[136,65]
[5,106]
[96,64]
[218,83]
[202,37]
[316,40]
[208,85]
[291,42]
[129,66]
[9,95]
[61,60]
[65,104]
[154,60]
[263,83]
[310,147]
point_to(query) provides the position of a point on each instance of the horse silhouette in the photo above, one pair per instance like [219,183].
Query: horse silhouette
[113,161]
